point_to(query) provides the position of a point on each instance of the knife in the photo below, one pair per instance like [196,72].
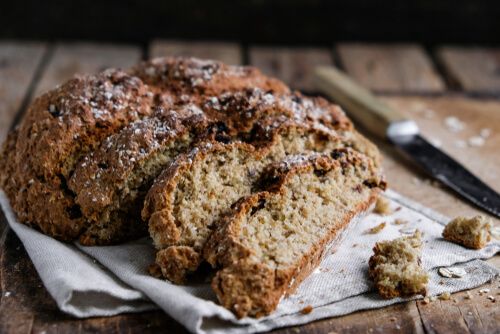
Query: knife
[387,122]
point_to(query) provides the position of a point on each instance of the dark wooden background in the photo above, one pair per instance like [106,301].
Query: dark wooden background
[276,22]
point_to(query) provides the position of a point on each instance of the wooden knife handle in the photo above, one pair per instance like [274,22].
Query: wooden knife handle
[359,103]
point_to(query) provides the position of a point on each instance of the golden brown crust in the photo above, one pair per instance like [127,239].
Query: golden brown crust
[58,129]
[249,287]
[188,79]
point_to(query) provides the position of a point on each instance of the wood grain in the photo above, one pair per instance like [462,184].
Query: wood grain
[292,66]
[463,315]
[474,69]
[229,53]
[18,65]
[390,68]
[72,58]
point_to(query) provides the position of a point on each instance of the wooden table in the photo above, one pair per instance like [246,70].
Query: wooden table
[427,85]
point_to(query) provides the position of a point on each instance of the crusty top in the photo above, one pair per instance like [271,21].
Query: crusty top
[190,78]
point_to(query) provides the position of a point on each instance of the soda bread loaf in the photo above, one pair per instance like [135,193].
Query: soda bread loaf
[170,146]
[269,242]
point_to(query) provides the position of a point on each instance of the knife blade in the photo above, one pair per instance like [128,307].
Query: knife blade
[386,122]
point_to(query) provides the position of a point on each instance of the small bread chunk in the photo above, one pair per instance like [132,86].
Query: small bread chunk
[271,241]
[397,268]
[471,232]
[382,206]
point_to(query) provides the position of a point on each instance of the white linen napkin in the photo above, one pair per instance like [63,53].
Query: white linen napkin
[105,281]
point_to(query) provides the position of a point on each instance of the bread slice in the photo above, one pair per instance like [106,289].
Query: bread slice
[198,188]
[269,242]
[110,185]
[471,232]
[396,267]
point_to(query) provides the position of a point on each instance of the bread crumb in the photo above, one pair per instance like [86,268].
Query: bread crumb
[393,319]
[433,298]
[471,232]
[454,124]
[306,310]
[445,296]
[442,282]
[296,330]
[493,299]
[335,251]
[355,245]
[426,300]
[469,295]
[396,267]
[476,141]
[485,133]
[376,229]
[382,206]
[399,221]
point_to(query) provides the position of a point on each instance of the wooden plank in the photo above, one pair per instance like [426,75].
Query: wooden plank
[398,318]
[18,65]
[390,68]
[293,66]
[229,53]
[474,69]
[461,314]
[72,58]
